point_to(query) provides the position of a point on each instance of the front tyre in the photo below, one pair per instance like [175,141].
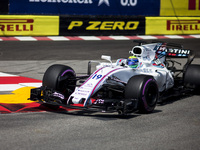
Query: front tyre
[143,88]
[60,78]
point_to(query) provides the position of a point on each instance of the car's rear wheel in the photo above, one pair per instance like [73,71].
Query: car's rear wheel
[192,76]
[145,89]
[60,78]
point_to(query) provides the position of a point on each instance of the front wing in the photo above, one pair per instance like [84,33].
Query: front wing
[50,96]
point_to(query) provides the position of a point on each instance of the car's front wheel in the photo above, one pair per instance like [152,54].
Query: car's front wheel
[143,88]
[60,78]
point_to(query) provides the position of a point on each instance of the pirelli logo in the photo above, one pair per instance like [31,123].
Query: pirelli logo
[183,25]
[16,25]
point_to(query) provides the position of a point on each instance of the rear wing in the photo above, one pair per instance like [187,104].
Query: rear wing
[175,52]
[168,49]
[173,49]
[165,50]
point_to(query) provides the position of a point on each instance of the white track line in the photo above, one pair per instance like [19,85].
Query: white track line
[26,38]
[89,38]
[58,38]
[147,37]
[6,75]
[119,37]
[195,36]
[174,37]
[9,87]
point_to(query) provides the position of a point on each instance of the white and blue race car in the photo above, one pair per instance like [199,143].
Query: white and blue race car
[135,84]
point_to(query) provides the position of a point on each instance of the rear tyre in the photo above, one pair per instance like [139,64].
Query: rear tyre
[60,78]
[192,77]
[145,89]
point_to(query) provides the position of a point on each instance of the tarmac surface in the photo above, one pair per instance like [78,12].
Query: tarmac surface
[174,124]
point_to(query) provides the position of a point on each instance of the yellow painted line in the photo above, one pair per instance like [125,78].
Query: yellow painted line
[18,96]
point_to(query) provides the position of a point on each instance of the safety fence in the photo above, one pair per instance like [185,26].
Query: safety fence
[102,7]
[34,25]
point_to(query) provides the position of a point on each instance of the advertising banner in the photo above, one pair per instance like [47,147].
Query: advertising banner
[102,25]
[86,7]
[172,25]
[180,8]
[11,25]
[4,6]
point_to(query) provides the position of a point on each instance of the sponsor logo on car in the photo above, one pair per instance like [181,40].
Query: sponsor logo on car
[16,24]
[163,51]
[183,25]
[178,52]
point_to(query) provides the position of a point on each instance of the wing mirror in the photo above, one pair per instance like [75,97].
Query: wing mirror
[108,58]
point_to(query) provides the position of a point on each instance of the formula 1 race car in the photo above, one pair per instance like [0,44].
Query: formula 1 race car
[148,76]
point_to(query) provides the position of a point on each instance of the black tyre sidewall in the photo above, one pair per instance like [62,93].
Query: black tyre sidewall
[138,87]
[146,104]
[192,76]
[53,73]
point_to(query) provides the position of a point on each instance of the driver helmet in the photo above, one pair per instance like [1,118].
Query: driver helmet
[132,62]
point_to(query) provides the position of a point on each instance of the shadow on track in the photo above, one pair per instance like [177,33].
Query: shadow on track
[100,115]
[174,99]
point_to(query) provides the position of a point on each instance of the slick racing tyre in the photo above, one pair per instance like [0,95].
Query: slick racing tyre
[192,77]
[60,78]
[143,88]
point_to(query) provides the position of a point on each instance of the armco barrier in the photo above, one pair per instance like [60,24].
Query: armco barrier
[11,25]
[172,25]
[180,8]
[25,25]
[88,25]
[85,7]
